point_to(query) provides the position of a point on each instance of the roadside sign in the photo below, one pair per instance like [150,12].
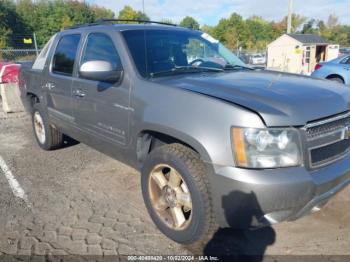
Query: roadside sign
[27,41]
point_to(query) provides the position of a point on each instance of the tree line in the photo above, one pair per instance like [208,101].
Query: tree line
[45,18]
[256,33]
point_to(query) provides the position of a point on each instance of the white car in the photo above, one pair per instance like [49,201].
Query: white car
[257,59]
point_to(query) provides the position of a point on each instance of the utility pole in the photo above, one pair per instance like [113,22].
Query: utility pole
[143,6]
[290,11]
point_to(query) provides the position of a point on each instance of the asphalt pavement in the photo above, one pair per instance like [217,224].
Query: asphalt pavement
[77,201]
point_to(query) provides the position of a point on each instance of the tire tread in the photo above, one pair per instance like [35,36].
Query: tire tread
[54,138]
[200,175]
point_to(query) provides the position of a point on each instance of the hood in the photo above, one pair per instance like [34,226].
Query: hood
[280,99]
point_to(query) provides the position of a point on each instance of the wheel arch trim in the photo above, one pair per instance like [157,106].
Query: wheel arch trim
[177,135]
[335,75]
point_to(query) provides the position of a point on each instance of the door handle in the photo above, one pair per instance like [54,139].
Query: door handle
[50,86]
[79,93]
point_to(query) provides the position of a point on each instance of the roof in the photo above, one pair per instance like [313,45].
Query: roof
[308,38]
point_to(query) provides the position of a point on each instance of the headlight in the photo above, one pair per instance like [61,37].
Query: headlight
[266,148]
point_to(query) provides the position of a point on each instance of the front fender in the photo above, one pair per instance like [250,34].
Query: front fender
[201,121]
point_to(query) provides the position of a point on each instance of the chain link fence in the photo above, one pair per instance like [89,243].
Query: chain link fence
[20,48]
[18,55]
[250,57]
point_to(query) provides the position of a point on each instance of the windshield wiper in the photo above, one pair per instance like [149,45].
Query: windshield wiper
[237,67]
[203,68]
[186,69]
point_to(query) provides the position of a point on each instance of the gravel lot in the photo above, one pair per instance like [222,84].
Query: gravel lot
[79,201]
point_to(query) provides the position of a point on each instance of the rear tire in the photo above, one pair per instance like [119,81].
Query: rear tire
[48,137]
[196,219]
[336,79]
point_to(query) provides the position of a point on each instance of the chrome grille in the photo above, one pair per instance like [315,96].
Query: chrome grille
[315,130]
[327,140]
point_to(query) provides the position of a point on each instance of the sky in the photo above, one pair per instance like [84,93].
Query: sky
[210,11]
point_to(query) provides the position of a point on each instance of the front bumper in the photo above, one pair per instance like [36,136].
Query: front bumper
[245,198]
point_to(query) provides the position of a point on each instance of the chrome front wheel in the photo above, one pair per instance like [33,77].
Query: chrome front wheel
[170,197]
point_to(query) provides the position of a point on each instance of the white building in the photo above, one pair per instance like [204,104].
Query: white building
[299,53]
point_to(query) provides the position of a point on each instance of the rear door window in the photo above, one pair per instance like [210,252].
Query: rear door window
[39,63]
[65,55]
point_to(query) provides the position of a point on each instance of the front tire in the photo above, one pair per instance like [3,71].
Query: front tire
[47,137]
[175,189]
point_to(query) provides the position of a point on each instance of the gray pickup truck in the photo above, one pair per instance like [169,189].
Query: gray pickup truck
[218,144]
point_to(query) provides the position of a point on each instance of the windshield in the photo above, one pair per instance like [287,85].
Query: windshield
[158,51]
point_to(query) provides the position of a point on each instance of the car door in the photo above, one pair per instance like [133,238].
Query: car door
[58,82]
[101,109]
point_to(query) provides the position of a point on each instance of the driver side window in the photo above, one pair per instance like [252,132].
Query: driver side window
[100,47]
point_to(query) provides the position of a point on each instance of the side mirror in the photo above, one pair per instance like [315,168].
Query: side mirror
[99,70]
